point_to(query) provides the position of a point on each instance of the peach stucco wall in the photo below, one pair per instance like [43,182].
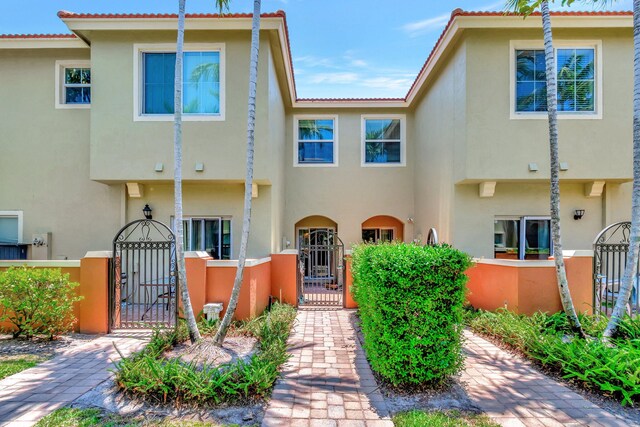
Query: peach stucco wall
[529,286]
[284,277]
[349,302]
[254,294]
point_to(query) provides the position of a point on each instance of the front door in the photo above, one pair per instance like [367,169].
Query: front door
[321,264]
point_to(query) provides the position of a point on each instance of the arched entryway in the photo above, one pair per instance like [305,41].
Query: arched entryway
[321,262]
[382,228]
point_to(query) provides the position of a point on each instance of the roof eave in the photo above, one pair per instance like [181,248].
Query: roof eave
[42,43]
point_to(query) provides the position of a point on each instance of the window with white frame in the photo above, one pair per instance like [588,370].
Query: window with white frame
[202,83]
[210,234]
[578,75]
[11,227]
[526,237]
[73,84]
[375,235]
[316,141]
[383,141]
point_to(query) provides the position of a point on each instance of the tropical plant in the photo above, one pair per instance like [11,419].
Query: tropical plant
[194,333]
[526,7]
[248,183]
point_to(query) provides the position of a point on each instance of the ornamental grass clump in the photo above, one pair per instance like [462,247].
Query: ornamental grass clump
[608,367]
[410,301]
[37,301]
[148,374]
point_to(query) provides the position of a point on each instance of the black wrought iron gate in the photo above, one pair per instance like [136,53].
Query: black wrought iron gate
[143,277]
[321,269]
[610,249]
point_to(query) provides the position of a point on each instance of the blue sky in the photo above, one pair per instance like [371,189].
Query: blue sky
[359,48]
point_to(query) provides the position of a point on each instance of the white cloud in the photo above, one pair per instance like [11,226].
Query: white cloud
[391,83]
[415,29]
[334,78]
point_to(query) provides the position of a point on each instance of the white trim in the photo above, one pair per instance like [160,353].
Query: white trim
[139,49]
[296,120]
[59,85]
[234,262]
[20,216]
[99,254]
[288,252]
[43,43]
[168,23]
[403,140]
[41,263]
[557,44]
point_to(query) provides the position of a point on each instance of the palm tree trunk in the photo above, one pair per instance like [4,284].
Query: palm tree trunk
[552,108]
[246,220]
[631,268]
[194,333]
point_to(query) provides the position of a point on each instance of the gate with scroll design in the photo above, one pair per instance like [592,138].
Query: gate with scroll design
[610,249]
[143,277]
[321,269]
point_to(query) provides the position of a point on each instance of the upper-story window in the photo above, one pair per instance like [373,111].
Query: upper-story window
[202,83]
[578,78]
[383,141]
[73,84]
[316,141]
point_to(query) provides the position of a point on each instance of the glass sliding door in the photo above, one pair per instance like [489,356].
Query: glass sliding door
[535,238]
[212,235]
[527,237]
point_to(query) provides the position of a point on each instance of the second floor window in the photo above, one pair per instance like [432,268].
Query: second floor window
[316,141]
[201,83]
[77,85]
[383,141]
[575,71]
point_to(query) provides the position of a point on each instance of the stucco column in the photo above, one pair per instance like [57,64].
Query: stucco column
[196,264]
[284,276]
[94,287]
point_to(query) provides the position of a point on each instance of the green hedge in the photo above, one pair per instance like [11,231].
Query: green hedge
[37,301]
[410,301]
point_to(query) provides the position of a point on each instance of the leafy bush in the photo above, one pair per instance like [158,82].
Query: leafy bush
[410,304]
[148,374]
[610,367]
[37,301]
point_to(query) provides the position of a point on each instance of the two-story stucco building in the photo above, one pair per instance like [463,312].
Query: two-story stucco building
[87,137]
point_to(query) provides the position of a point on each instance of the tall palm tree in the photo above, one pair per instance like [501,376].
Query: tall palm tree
[248,183]
[630,271]
[194,333]
[526,7]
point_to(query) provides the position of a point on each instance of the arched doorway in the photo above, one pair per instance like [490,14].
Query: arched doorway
[382,228]
[320,262]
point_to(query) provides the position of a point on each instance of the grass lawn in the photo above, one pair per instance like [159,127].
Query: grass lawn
[441,419]
[71,417]
[10,365]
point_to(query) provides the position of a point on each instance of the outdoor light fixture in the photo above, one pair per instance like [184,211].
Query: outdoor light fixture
[147,212]
[579,213]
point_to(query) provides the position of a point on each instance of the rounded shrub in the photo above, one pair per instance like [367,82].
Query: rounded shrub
[410,300]
[37,301]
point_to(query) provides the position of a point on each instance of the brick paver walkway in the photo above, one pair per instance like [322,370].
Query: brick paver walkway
[31,394]
[512,393]
[327,381]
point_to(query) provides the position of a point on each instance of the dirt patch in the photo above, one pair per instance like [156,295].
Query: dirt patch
[206,352]
[41,347]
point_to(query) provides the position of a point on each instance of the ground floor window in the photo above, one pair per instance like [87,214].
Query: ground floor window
[375,235]
[211,234]
[10,227]
[315,236]
[525,237]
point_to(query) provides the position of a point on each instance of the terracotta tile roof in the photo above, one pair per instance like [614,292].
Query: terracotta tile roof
[63,14]
[38,36]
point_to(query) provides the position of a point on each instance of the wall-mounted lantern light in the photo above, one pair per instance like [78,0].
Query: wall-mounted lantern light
[578,214]
[147,212]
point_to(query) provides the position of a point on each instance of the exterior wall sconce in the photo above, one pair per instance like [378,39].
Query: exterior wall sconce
[147,212]
[578,214]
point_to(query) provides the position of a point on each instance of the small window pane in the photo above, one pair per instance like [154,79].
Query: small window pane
[315,152]
[525,65]
[226,239]
[369,236]
[73,75]
[78,95]
[201,83]
[540,66]
[585,62]
[8,229]
[506,238]
[382,129]
[159,75]
[525,96]
[386,235]
[537,239]
[315,130]
[212,237]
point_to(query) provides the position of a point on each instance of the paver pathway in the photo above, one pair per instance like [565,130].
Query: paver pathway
[327,381]
[34,393]
[513,393]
